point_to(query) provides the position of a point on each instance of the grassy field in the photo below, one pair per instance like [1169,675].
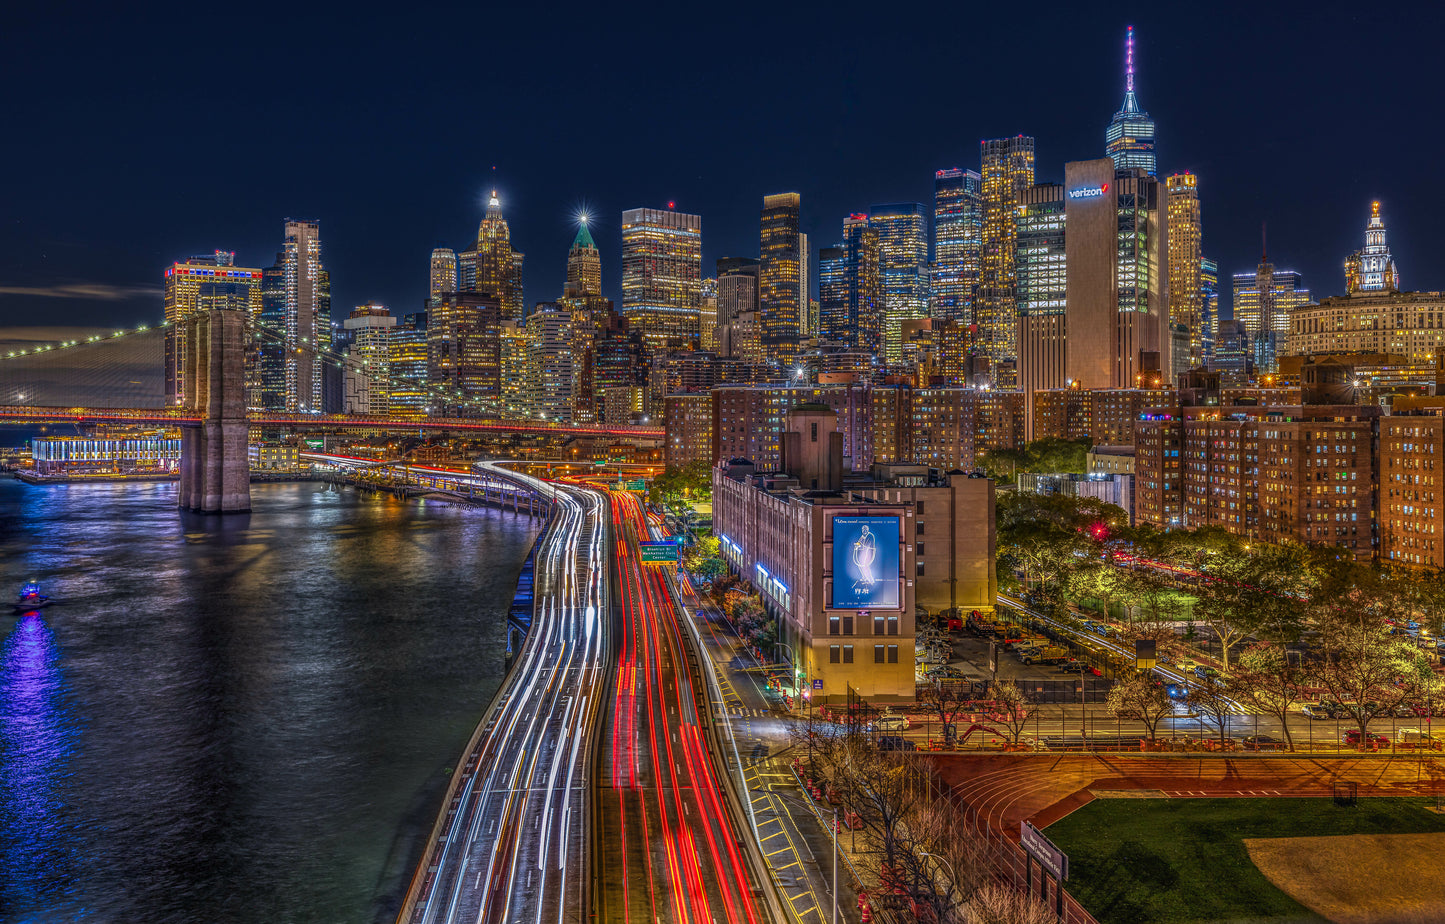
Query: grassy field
[1184,860]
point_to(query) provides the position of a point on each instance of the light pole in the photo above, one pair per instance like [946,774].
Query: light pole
[835,864]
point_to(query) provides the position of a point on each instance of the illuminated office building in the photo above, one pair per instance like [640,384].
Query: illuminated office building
[902,230]
[464,354]
[850,287]
[489,266]
[1186,292]
[707,315]
[781,285]
[1263,301]
[1042,288]
[368,362]
[1129,139]
[549,362]
[200,284]
[443,277]
[1374,268]
[1008,169]
[1118,276]
[295,322]
[957,240]
[1208,307]
[662,275]
[410,396]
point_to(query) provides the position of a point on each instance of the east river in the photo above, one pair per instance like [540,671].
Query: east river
[237,719]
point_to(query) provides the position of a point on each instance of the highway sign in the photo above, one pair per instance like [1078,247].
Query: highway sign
[638,485]
[658,552]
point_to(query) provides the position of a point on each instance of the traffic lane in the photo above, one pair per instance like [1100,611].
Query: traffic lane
[704,863]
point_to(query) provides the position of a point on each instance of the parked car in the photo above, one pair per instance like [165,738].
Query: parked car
[1405,711]
[1185,665]
[1074,667]
[1416,738]
[890,722]
[895,743]
[1316,711]
[1263,743]
[1372,740]
[1204,673]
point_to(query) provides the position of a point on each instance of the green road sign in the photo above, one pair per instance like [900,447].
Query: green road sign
[658,552]
[638,485]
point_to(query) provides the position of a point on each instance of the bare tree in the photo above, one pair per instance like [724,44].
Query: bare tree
[1209,698]
[1000,904]
[1143,698]
[1014,708]
[882,788]
[943,863]
[951,698]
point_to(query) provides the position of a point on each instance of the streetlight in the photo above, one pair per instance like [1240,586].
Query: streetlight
[953,878]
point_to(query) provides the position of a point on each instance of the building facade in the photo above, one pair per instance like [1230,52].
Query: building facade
[442,277]
[410,394]
[1042,288]
[368,361]
[957,243]
[782,278]
[1186,256]
[688,420]
[202,283]
[295,329]
[662,275]
[1007,170]
[464,354]
[1407,324]
[489,265]
[902,230]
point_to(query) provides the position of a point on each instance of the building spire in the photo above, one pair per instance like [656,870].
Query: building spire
[1129,60]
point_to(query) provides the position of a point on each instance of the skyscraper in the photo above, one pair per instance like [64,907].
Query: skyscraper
[200,284]
[296,322]
[1377,271]
[1262,304]
[781,292]
[1118,278]
[409,395]
[549,362]
[368,365]
[464,354]
[1186,297]
[584,264]
[903,253]
[707,315]
[1129,139]
[850,290]
[1042,288]
[443,274]
[490,266]
[582,297]
[662,275]
[1008,169]
[957,239]
[1208,307]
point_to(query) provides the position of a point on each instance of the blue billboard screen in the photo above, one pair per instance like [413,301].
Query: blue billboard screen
[865,562]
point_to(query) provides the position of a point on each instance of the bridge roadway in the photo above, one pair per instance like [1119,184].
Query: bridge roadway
[25,414]
[671,849]
[512,843]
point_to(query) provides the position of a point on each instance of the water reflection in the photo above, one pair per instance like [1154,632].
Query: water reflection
[35,740]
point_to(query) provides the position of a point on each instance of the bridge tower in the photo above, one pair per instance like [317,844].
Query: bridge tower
[215,471]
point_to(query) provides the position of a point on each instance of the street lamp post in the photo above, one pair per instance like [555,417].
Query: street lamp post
[835,864]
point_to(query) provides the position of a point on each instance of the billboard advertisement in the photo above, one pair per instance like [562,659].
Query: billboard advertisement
[865,562]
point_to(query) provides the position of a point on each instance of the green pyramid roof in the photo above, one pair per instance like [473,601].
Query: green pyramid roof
[584,238]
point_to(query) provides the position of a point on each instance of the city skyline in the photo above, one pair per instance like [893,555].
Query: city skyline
[378,236]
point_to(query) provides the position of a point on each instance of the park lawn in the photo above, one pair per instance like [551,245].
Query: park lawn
[1183,860]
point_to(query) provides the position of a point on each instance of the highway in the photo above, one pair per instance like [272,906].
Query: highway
[513,842]
[672,853]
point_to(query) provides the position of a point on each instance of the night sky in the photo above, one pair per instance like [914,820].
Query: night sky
[138,138]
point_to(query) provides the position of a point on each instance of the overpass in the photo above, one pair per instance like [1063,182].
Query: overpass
[213,413]
[177,417]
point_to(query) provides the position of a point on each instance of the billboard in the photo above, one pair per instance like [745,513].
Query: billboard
[865,562]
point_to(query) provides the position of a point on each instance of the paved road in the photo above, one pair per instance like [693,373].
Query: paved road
[671,853]
[514,844]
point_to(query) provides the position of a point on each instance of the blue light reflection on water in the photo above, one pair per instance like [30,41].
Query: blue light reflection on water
[36,737]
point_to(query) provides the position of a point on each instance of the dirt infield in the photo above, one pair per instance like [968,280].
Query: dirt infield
[1005,789]
[1358,879]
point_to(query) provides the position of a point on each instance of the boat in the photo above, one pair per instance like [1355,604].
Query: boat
[30,597]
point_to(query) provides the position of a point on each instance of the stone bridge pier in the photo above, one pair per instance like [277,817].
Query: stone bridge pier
[215,470]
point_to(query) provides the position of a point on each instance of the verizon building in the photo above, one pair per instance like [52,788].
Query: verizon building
[1118,280]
